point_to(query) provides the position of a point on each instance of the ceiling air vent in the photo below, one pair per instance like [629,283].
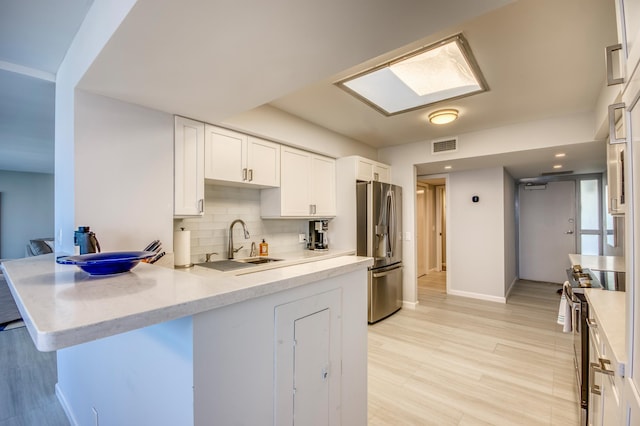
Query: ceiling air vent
[444,145]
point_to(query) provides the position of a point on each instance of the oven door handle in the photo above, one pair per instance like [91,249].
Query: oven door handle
[576,317]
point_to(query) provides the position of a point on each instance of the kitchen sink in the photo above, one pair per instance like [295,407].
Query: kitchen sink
[233,264]
[257,260]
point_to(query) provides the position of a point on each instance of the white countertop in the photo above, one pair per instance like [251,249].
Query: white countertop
[63,306]
[609,308]
[598,263]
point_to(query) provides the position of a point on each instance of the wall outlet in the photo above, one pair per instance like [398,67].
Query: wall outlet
[302,238]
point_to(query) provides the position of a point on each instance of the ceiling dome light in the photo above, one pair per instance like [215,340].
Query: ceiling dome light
[443,116]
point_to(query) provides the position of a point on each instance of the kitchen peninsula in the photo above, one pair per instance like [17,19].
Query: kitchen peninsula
[162,346]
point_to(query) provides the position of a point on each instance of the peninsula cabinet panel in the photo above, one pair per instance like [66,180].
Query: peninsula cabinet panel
[297,354]
[308,360]
[188,167]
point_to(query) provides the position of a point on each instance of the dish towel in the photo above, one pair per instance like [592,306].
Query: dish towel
[564,311]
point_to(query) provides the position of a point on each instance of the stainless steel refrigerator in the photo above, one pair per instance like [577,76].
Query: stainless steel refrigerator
[379,235]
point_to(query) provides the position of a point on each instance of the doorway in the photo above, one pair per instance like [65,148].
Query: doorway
[431,235]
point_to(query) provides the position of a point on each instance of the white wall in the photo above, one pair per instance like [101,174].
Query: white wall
[26,210]
[101,21]
[556,131]
[475,234]
[123,172]
[223,204]
[142,377]
[279,126]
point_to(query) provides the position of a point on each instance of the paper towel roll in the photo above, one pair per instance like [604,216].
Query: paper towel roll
[182,249]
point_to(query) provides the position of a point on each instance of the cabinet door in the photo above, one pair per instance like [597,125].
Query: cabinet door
[295,182]
[632,238]
[631,404]
[308,360]
[188,167]
[595,387]
[225,152]
[323,186]
[311,369]
[381,173]
[263,162]
[364,170]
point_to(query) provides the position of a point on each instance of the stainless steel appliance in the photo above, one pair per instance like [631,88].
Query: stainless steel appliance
[379,235]
[318,235]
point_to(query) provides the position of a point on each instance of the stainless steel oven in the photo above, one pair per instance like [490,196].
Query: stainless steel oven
[580,331]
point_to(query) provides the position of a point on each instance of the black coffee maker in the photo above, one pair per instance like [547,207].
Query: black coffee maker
[86,239]
[318,235]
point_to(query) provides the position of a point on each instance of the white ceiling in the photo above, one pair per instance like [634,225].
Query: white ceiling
[541,58]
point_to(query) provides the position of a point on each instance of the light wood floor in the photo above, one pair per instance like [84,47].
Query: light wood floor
[460,361]
[451,361]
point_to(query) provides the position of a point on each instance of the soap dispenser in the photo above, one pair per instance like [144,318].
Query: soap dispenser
[264,248]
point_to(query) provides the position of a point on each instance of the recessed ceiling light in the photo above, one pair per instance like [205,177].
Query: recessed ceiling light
[443,116]
[557,166]
[441,71]
[560,155]
[447,167]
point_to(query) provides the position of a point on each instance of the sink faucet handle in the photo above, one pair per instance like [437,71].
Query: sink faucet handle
[238,249]
[208,256]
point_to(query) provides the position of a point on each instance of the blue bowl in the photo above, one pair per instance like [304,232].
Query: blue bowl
[106,263]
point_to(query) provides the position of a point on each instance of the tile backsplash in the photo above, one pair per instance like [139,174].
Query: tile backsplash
[209,233]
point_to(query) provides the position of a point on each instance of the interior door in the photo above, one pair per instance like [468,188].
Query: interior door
[547,231]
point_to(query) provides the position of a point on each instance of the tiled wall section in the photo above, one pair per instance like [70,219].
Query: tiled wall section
[225,204]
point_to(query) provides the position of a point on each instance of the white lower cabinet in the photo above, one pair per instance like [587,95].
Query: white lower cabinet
[630,404]
[605,380]
[307,187]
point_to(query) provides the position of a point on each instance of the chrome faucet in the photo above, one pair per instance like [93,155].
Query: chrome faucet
[246,236]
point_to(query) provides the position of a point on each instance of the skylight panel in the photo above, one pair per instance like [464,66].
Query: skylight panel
[442,71]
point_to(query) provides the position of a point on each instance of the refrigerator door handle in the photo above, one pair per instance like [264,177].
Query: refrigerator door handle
[392,220]
[385,273]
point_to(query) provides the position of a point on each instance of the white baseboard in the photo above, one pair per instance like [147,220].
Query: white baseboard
[409,305]
[477,296]
[65,406]
[513,283]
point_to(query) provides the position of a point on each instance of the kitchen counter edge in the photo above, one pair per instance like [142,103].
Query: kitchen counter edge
[63,306]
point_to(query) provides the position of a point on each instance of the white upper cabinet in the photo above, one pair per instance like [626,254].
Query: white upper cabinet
[188,167]
[628,16]
[237,158]
[307,187]
[368,170]
[263,162]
